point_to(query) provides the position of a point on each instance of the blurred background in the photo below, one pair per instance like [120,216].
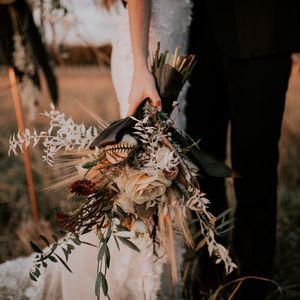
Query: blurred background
[76,36]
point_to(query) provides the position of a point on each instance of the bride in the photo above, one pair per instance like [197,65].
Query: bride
[131,275]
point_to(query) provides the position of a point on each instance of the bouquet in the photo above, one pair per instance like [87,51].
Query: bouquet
[137,177]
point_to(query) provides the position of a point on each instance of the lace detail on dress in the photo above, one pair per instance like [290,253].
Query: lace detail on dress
[15,283]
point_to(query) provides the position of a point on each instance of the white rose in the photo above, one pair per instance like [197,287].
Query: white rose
[140,186]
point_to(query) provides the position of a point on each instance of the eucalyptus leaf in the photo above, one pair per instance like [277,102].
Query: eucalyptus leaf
[108,234]
[87,243]
[66,253]
[62,261]
[35,247]
[90,164]
[121,228]
[98,284]
[36,273]
[52,258]
[121,212]
[104,285]
[128,243]
[54,246]
[117,243]
[101,282]
[76,240]
[107,257]
[102,251]
[55,238]
[45,240]
[70,247]
[32,277]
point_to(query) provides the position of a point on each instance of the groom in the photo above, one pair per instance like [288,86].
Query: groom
[243,50]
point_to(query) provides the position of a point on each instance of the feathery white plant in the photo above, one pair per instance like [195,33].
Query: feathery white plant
[151,137]
[63,134]
[154,158]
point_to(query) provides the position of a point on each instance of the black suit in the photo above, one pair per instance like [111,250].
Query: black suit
[243,50]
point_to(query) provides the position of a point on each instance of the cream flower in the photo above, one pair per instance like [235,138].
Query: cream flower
[141,186]
[139,227]
[126,204]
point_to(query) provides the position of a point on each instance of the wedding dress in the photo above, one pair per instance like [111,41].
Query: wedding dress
[132,275]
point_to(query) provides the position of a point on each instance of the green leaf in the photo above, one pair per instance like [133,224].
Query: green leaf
[32,277]
[52,258]
[121,212]
[36,273]
[104,285]
[66,253]
[35,247]
[122,228]
[117,243]
[87,243]
[76,240]
[55,238]
[45,240]
[98,284]
[71,247]
[128,243]
[101,282]
[107,257]
[90,164]
[62,261]
[102,251]
[54,246]
[108,234]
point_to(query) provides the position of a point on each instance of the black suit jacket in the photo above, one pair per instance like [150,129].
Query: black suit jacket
[250,28]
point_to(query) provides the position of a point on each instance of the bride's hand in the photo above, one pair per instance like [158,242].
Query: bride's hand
[142,87]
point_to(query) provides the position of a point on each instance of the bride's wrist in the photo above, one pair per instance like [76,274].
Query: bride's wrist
[141,64]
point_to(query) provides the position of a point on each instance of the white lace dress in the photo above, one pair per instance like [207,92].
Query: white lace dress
[132,275]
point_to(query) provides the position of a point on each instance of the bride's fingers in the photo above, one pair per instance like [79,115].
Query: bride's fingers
[155,100]
[131,110]
[133,107]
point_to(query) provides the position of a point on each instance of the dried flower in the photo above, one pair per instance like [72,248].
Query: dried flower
[82,187]
[141,186]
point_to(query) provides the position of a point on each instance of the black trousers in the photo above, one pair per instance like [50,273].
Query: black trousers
[250,94]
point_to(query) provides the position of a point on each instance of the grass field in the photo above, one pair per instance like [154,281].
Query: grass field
[92,88]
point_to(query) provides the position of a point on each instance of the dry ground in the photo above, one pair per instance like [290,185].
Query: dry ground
[92,88]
